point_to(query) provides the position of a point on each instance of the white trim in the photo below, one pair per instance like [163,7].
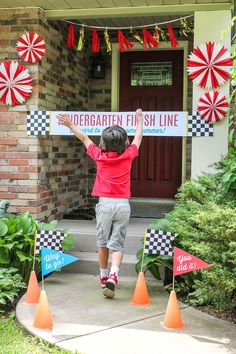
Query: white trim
[115,82]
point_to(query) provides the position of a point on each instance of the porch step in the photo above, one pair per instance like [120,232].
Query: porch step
[88,264]
[150,207]
[84,232]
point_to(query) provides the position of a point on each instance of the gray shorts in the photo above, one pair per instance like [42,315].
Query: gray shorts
[112,216]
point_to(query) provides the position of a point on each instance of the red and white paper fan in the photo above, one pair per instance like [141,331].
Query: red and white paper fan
[212,106]
[209,65]
[15,83]
[31,47]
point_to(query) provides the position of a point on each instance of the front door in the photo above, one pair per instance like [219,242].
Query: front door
[153,81]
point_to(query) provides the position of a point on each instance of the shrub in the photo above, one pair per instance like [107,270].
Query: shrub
[204,218]
[208,231]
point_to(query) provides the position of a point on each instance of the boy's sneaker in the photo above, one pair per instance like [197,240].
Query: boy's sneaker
[103,281]
[110,287]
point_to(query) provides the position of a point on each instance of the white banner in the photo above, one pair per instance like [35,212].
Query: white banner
[93,123]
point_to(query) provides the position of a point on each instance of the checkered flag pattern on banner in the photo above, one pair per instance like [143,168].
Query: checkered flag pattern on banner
[49,239]
[198,126]
[159,242]
[38,122]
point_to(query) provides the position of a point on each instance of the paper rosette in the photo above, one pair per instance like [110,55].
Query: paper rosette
[212,106]
[15,83]
[31,47]
[209,65]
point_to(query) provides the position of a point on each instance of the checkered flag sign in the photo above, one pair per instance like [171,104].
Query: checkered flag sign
[38,123]
[159,242]
[198,126]
[49,239]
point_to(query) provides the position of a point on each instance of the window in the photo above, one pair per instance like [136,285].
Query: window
[151,74]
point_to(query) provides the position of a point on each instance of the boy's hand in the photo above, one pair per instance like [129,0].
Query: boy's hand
[139,127]
[139,115]
[64,119]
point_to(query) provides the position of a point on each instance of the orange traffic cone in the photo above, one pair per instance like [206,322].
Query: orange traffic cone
[172,317]
[43,316]
[33,291]
[140,296]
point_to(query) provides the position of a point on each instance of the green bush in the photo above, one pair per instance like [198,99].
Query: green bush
[10,285]
[204,218]
[17,239]
[208,231]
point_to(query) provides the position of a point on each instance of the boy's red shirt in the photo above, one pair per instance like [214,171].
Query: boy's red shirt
[113,171]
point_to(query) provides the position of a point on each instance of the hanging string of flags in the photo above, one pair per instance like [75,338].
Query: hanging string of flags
[147,39]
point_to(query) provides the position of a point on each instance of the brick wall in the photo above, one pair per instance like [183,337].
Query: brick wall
[18,164]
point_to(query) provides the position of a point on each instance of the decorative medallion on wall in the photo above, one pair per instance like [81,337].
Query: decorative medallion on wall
[199,127]
[31,47]
[209,65]
[38,122]
[212,106]
[15,83]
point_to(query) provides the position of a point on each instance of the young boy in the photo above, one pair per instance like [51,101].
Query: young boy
[113,159]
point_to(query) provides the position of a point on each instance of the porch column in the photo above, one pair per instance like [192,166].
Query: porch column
[205,151]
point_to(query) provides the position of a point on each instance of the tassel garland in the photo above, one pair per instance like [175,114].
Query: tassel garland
[149,40]
[95,41]
[123,42]
[173,41]
[71,37]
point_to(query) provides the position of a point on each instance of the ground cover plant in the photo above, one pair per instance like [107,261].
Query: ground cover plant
[17,239]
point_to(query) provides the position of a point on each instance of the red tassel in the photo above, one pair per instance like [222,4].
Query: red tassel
[71,37]
[123,42]
[95,41]
[149,40]
[173,41]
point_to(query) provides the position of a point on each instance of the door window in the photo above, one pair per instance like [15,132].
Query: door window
[151,74]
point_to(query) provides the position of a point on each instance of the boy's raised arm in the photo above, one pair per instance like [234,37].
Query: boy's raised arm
[64,119]
[139,128]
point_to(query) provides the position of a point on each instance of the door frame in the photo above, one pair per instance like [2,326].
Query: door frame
[115,82]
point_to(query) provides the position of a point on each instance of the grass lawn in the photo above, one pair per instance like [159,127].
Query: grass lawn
[14,340]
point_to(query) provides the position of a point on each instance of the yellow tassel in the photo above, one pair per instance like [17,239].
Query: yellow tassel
[159,34]
[185,28]
[107,40]
[81,39]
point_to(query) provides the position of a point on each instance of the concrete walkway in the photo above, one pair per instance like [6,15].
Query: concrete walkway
[87,322]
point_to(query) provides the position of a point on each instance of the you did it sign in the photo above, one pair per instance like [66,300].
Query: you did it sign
[185,262]
[93,123]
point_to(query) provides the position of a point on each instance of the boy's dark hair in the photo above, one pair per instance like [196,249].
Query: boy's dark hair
[114,139]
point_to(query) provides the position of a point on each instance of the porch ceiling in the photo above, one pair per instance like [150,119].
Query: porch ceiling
[118,12]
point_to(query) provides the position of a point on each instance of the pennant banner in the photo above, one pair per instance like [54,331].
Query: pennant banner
[185,262]
[52,260]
